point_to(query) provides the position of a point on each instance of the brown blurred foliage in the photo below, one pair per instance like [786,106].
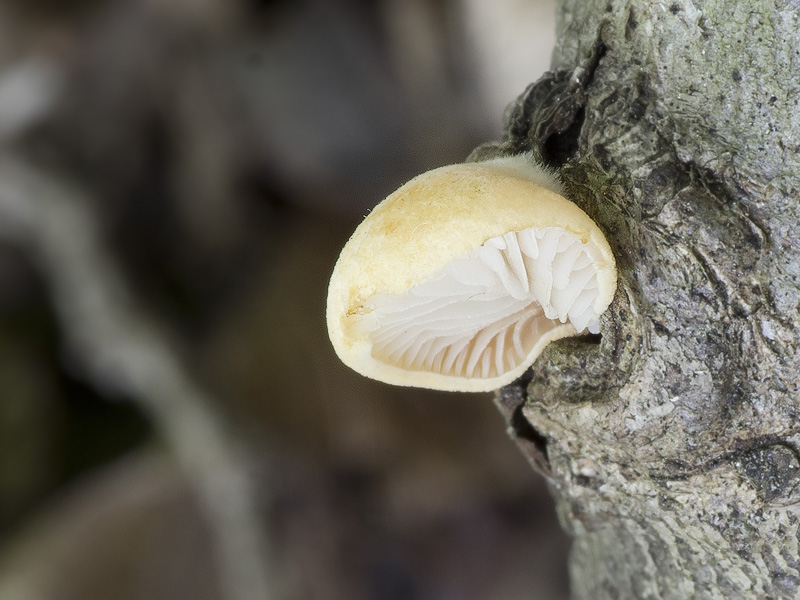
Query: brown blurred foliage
[228,149]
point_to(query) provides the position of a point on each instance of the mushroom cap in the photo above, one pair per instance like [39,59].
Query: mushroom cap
[413,296]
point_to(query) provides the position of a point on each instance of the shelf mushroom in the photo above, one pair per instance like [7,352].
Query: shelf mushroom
[460,278]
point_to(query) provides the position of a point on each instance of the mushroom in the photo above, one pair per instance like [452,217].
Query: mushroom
[460,278]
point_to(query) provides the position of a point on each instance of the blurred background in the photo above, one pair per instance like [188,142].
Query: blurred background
[176,180]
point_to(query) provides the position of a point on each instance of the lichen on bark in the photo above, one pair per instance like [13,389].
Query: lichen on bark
[671,444]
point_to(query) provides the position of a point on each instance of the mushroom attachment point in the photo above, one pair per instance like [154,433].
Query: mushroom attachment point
[460,278]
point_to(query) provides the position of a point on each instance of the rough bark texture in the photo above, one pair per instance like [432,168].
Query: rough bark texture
[671,444]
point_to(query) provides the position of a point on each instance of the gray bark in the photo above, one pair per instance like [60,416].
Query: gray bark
[671,443]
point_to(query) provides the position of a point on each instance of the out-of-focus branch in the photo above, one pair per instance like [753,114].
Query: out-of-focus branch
[121,349]
[28,90]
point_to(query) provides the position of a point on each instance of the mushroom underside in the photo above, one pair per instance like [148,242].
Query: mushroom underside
[484,314]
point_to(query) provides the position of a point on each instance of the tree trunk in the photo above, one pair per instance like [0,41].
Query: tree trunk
[671,441]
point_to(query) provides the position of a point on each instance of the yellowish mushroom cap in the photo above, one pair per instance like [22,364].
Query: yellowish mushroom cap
[460,278]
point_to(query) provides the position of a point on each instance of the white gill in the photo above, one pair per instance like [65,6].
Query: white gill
[483,313]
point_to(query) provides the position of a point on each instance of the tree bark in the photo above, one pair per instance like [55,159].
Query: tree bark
[671,442]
